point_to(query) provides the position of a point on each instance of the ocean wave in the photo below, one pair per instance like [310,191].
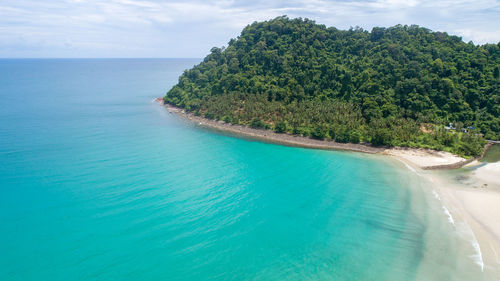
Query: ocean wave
[445,210]
[450,217]
[436,195]
[478,257]
[410,168]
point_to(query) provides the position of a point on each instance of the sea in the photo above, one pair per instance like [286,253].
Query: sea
[98,182]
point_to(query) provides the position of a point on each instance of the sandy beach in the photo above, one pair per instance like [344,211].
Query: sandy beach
[428,159]
[470,195]
[470,199]
[473,199]
[489,174]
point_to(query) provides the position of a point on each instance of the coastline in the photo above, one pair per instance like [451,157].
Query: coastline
[270,136]
[426,159]
[475,202]
[468,199]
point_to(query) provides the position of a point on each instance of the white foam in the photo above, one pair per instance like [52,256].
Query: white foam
[450,217]
[445,210]
[436,195]
[410,168]
[478,256]
[466,233]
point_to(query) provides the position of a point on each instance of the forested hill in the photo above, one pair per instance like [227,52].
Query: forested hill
[392,86]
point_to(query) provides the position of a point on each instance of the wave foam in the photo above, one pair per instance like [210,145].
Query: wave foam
[410,168]
[436,195]
[478,256]
[450,217]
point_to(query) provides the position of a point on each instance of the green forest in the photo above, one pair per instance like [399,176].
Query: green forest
[396,86]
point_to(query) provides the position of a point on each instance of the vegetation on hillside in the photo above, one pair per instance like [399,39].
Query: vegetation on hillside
[396,86]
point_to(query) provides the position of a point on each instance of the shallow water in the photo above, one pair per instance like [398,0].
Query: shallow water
[100,183]
[492,154]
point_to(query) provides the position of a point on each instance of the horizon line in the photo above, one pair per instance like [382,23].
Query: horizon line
[69,58]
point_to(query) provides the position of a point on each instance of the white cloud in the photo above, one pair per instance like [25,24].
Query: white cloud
[147,28]
[480,37]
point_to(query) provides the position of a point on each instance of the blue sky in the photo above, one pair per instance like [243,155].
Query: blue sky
[150,28]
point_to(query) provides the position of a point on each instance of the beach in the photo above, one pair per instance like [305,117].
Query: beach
[470,196]
[470,199]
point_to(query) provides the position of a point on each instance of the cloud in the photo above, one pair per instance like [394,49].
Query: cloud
[147,28]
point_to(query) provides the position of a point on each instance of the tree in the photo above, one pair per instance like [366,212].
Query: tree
[349,85]
[257,123]
[319,132]
[280,127]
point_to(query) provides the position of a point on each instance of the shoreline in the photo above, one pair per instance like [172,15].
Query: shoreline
[270,136]
[475,210]
[476,203]
[426,159]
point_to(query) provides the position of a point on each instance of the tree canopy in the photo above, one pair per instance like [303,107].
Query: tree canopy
[392,86]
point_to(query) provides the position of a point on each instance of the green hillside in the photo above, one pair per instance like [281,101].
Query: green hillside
[396,86]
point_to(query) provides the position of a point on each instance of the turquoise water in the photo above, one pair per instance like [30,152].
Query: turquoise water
[100,183]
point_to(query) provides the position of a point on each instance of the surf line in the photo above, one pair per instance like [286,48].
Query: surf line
[445,210]
[475,244]
[479,255]
[407,166]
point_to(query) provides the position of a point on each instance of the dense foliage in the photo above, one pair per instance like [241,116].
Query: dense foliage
[392,86]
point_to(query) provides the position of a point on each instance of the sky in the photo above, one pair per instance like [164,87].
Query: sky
[189,29]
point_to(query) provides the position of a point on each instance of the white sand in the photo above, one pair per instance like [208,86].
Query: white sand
[424,158]
[477,204]
[484,206]
[474,200]
[480,209]
[489,174]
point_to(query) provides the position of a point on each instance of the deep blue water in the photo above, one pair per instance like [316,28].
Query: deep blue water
[100,183]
